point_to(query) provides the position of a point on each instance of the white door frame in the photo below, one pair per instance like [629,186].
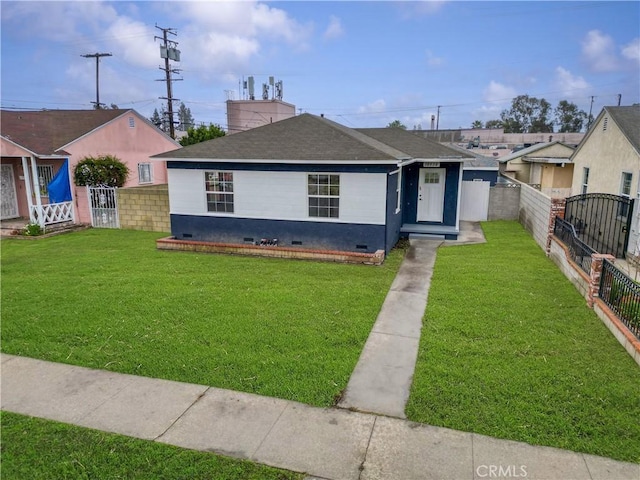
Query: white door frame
[431,196]
[14,200]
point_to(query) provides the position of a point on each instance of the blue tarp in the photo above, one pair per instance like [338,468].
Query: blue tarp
[59,188]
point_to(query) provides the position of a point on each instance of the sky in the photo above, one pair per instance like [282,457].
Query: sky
[361,64]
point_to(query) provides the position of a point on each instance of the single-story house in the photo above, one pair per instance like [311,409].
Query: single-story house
[608,158]
[545,164]
[35,145]
[607,161]
[309,182]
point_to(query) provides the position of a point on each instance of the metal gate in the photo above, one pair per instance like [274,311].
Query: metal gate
[103,202]
[601,220]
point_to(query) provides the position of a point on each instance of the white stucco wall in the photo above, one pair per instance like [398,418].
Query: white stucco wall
[607,153]
[281,195]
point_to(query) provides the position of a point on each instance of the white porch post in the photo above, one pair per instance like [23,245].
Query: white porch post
[27,184]
[36,189]
[458,207]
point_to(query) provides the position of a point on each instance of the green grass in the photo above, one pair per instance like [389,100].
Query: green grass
[108,299]
[509,349]
[41,449]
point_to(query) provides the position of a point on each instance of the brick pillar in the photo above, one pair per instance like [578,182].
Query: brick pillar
[595,274]
[557,210]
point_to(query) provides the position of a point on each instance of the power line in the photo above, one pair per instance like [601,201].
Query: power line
[97,56]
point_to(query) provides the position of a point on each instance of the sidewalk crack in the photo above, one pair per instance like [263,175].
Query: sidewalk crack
[182,414]
[366,452]
[252,456]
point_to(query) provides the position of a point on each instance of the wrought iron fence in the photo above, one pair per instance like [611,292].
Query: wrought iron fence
[601,220]
[622,295]
[579,251]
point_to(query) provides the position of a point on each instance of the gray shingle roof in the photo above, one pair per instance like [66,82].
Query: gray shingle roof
[308,137]
[628,119]
[415,145]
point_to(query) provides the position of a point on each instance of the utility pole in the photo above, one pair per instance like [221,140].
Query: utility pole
[438,118]
[590,117]
[97,56]
[619,98]
[168,51]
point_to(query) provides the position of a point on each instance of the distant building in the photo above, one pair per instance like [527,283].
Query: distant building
[247,114]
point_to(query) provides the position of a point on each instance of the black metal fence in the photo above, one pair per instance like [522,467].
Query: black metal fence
[579,251]
[601,220]
[622,295]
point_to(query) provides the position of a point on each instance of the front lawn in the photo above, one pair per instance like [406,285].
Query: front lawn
[108,299]
[509,349]
[41,449]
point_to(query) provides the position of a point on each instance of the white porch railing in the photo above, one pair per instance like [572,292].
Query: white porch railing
[51,213]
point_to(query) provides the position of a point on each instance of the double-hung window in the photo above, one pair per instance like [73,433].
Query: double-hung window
[324,195]
[625,191]
[585,180]
[219,190]
[144,173]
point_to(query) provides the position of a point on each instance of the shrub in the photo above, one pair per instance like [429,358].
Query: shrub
[33,230]
[106,170]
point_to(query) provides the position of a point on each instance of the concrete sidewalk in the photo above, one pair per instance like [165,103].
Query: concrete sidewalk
[330,444]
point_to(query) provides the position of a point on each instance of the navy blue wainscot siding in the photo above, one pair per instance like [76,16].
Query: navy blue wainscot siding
[303,234]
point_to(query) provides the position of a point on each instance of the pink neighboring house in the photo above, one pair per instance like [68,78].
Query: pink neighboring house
[35,144]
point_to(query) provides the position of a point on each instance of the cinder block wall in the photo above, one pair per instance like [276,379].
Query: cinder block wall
[534,214]
[144,208]
[504,202]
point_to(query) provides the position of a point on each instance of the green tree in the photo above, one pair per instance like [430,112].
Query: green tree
[185,119]
[106,170]
[569,117]
[155,119]
[527,115]
[494,124]
[202,134]
[477,124]
[397,124]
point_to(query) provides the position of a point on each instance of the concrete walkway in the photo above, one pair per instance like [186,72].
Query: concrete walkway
[330,444]
[382,378]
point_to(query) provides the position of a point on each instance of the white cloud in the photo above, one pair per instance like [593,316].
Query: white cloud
[133,42]
[632,50]
[598,50]
[422,7]
[432,60]
[334,29]
[497,92]
[220,39]
[569,84]
[377,106]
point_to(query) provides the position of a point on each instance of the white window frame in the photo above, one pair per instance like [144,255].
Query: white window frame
[132,122]
[45,175]
[622,183]
[585,179]
[141,176]
[220,184]
[318,190]
[623,213]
